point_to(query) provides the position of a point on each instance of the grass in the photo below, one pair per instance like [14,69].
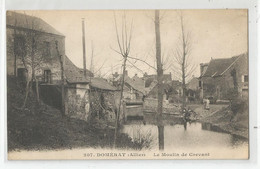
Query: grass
[41,127]
[233,123]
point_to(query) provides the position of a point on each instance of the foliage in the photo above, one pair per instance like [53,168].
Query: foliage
[141,139]
[40,127]
[231,94]
[239,105]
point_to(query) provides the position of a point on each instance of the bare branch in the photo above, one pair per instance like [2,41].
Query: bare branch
[115,51]
[118,41]
[100,67]
[130,38]
[142,61]
[135,66]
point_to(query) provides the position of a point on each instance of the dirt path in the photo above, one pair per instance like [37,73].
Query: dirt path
[199,109]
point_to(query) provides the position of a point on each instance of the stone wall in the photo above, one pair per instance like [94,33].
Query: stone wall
[218,86]
[104,104]
[46,62]
[77,101]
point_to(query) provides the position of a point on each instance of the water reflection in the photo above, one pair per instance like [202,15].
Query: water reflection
[197,136]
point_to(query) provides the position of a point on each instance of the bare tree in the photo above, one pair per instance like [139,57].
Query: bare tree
[159,80]
[159,70]
[183,67]
[124,45]
[62,79]
[30,53]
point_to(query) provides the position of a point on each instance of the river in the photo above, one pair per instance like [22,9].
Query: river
[192,139]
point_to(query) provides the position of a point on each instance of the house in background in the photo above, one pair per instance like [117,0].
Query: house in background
[133,87]
[221,75]
[167,79]
[170,86]
[193,89]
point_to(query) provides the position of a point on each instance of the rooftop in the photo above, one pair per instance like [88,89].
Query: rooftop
[101,83]
[167,78]
[23,21]
[74,74]
[217,67]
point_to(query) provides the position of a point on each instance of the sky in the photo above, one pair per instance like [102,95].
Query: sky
[213,34]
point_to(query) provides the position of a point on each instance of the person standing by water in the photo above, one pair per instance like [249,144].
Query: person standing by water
[186,117]
[206,104]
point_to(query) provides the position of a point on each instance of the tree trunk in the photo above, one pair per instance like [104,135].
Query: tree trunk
[183,66]
[37,91]
[62,81]
[159,81]
[27,90]
[120,102]
[33,70]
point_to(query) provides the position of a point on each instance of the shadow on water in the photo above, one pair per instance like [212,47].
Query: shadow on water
[214,128]
[195,136]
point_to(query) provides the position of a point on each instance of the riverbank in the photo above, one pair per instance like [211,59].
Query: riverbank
[41,127]
[224,120]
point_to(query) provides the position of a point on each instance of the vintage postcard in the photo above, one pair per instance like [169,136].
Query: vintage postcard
[127,84]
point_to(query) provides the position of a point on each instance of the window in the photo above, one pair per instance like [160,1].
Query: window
[245,78]
[46,49]
[47,76]
[200,84]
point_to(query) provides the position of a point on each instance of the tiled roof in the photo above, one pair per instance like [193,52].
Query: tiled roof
[101,83]
[150,78]
[218,66]
[137,86]
[29,22]
[74,74]
[153,88]
[133,83]
[138,80]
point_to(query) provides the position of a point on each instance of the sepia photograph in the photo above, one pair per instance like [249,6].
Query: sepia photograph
[127,84]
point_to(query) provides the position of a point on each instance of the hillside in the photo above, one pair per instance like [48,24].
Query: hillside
[42,127]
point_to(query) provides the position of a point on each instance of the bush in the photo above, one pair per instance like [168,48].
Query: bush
[239,105]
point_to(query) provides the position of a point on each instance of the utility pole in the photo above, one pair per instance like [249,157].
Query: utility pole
[91,68]
[84,47]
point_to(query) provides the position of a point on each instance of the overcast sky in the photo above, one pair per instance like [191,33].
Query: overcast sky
[214,34]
